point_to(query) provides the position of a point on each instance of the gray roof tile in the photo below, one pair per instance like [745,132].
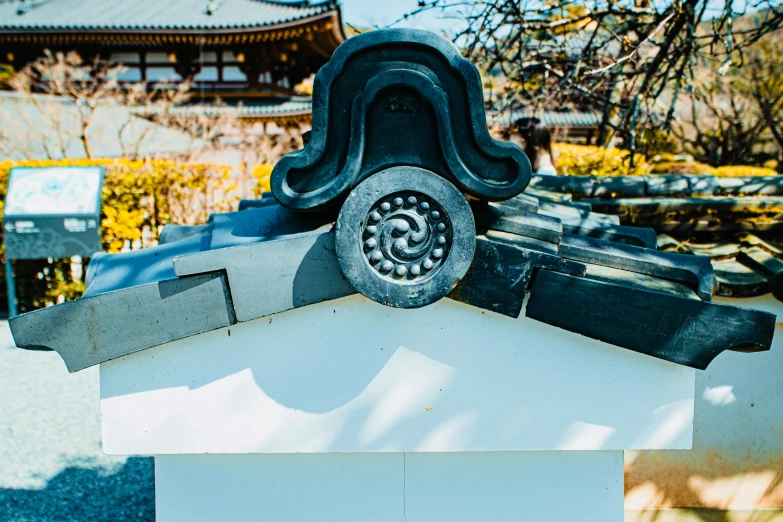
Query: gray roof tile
[735,222]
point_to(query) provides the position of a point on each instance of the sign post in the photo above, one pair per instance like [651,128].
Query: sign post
[50,212]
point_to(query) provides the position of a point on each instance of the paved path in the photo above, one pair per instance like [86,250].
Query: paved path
[51,463]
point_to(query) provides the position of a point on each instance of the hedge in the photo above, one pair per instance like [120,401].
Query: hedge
[737,171]
[262,173]
[590,160]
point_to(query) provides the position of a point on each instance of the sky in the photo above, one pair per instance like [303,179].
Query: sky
[370,13]
[366,13]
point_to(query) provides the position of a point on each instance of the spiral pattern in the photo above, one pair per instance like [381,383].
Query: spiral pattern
[407,236]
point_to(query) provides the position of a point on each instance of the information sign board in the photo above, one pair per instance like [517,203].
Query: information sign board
[52,212]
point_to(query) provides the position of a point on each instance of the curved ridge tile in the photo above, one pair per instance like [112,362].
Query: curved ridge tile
[683,331]
[635,236]
[398,97]
[174,233]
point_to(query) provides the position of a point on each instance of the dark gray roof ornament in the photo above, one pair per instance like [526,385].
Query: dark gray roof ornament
[399,141]
[23,6]
[398,97]
[212,6]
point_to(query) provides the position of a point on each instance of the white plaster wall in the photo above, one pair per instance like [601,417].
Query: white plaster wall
[354,376]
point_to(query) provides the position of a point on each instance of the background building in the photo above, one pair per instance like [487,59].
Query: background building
[245,52]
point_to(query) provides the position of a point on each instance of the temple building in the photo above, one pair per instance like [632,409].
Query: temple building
[248,53]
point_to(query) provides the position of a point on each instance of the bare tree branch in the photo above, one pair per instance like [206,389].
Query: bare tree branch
[625,60]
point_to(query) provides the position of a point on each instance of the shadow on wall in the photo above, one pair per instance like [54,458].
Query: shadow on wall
[735,470]
[389,382]
[701,486]
[84,494]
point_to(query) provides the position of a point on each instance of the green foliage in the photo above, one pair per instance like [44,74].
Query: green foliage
[659,142]
[681,167]
[263,174]
[6,73]
[737,171]
[589,160]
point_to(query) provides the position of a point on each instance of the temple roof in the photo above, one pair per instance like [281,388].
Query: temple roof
[273,109]
[85,15]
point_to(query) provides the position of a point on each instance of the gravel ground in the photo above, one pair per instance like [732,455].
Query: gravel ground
[51,463]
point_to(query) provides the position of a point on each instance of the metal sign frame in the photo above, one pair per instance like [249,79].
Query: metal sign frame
[54,235]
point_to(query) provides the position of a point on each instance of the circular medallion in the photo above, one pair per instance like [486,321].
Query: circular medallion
[405,237]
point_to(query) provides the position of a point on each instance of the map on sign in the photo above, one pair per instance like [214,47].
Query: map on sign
[52,191]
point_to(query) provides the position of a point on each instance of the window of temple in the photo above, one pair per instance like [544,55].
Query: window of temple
[207,74]
[130,74]
[162,74]
[125,58]
[208,57]
[229,57]
[160,58]
[233,74]
[214,67]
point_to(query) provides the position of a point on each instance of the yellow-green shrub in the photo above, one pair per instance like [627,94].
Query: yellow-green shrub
[589,160]
[680,167]
[262,173]
[738,171]
[659,142]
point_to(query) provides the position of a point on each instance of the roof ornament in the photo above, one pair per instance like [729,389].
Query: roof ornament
[25,6]
[405,237]
[212,6]
[398,97]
